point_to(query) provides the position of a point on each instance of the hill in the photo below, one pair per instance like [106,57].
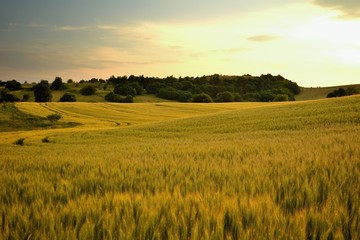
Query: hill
[320,92]
[286,170]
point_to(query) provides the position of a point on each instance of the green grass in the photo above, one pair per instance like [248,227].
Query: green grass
[11,119]
[198,171]
[97,97]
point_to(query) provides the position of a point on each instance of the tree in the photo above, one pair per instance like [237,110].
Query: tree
[342,92]
[5,96]
[224,97]
[202,98]
[42,92]
[125,89]
[139,89]
[113,97]
[68,97]
[57,84]
[281,98]
[88,90]
[13,85]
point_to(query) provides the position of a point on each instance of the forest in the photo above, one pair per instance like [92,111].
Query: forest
[213,88]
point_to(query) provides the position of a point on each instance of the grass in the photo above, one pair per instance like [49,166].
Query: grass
[75,89]
[186,171]
[12,119]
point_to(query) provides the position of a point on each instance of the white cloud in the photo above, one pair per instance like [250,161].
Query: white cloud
[351,8]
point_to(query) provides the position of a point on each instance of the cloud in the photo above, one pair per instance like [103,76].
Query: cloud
[73,28]
[350,8]
[262,38]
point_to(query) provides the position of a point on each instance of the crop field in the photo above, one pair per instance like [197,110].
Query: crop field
[286,170]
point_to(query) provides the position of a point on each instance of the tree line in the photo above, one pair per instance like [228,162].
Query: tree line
[212,88]
[341,92]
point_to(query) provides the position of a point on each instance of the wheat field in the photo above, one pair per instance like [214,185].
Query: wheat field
[185,171]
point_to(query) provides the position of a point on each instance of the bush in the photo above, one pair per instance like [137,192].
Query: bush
[25,98]
[68,97]
[112,97]
[202,98]
[88,90]
[54,117]
[45,140]
[20,142]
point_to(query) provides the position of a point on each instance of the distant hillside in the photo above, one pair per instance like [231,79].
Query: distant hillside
[319,92]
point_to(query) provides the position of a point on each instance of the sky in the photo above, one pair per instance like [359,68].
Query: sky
[312,42]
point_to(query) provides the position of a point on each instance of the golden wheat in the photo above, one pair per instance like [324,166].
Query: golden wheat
[197,171]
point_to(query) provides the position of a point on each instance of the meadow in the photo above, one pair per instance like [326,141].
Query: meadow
[286,170]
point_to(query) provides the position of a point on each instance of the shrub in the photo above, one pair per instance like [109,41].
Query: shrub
[112,97]
[68,97]
[202,98]
[45,140]
[20,142]
[88,90]
[25,98]
[54,117]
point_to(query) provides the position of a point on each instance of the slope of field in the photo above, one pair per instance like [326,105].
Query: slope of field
[320,92]
[193,171]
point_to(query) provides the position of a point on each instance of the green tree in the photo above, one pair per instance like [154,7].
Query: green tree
[5,96]
[42,92]
[13,85]
[281,98]
[224,97]
[68,97]
[125,89]
[202,98]
[57,84]
[88,90]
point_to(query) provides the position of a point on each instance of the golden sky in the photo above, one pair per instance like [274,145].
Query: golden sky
[314,42]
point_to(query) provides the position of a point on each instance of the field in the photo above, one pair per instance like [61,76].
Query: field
[286,170]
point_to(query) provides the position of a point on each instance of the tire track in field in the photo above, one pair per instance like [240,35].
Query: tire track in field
[81,116]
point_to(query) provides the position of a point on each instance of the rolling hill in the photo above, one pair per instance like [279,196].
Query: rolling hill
[287,170]
[320,92]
